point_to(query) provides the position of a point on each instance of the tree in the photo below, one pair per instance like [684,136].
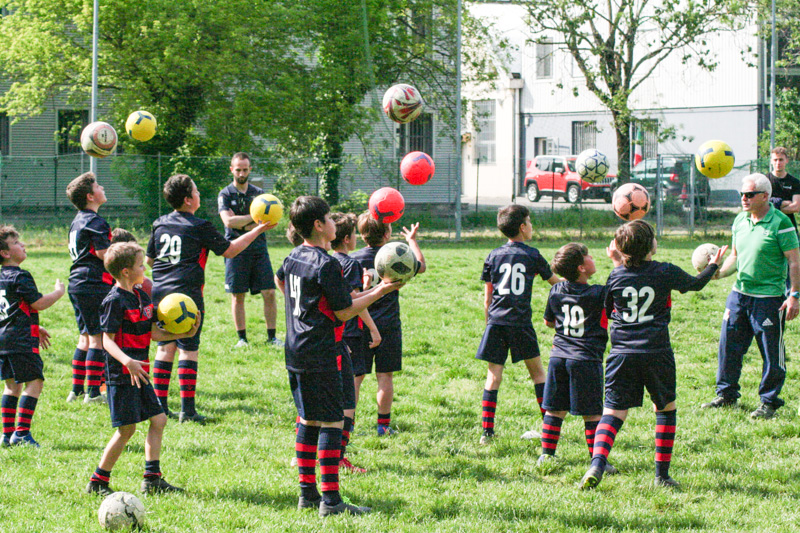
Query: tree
[608,42]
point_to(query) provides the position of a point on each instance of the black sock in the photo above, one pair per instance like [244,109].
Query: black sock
[242,334]
[78,371]
[551,432]
[271,334]
[101,476]
[665,438]
[152,469]
[306,451]
[329,449]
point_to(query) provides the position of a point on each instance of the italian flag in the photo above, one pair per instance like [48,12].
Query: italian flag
[637,149]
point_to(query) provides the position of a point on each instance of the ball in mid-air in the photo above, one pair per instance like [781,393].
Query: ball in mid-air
[703,254]
[177,313]
[417,168]
[591,165]
[141,125]
[266,208]
[714,159]
[402,103]
[631,201]
[121,510]
[386,205]
[99,139]
[396,262]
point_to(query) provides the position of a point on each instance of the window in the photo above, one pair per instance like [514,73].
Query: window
[645,133]
[484,119]
[416,135]
[5,140]
[584,136]
[70,124]
[544,59]
[544,164]
[540,146]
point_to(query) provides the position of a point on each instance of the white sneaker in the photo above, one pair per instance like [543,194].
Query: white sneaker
[531,434]
[241,344]
[276,342]
[97,399]
[72,397]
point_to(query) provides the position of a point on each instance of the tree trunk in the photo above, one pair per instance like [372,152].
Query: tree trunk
[622,125]
[331,167]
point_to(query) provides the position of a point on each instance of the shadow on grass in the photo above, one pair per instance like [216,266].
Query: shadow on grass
[277,500]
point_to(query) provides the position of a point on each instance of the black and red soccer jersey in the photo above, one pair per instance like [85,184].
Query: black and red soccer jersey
[386,311]
[639,302]
[19,322]
[239,203]
[314,289]
[581,327]
[129,316]
[351,270]
[88,234]
[179,245]
[511,270]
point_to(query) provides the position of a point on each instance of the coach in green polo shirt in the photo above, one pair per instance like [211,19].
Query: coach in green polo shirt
[764,241]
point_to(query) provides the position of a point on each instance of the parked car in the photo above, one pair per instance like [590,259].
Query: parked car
[675,175]
[554,175]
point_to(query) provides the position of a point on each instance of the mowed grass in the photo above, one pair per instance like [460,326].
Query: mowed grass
[737,474]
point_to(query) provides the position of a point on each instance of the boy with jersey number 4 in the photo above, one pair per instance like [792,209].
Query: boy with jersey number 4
[508,273]
[639,303]
[20,338]
[129,324]
[318,299]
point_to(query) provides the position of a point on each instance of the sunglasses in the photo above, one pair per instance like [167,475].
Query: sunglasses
[750,195]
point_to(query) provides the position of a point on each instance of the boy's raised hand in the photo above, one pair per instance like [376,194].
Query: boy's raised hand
[410,234]
[138,375]
[59,286]
[613,253]
[718,256]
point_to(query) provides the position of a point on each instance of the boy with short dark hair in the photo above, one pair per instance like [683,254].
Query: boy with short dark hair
[639,302]
[388,355]
[508,274]
[89,283]
[129,324]
[20,338]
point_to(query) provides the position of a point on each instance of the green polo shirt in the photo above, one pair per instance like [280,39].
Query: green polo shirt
[759,252]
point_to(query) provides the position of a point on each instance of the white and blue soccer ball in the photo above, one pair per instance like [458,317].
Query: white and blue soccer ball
[396,262]
[591,165]
[121,511]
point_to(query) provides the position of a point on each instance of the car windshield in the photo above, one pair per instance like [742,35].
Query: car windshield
[571,164]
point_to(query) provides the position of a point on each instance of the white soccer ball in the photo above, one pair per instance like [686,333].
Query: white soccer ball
[396,262]
[591,165]
[121,510]
[99,139]
[703,254]
[402,103]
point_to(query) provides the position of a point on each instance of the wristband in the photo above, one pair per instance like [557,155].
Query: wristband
[795,294]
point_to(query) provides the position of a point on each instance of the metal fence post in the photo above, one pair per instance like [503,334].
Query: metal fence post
[55,182]
[659,199]
[158,192]
[692,199]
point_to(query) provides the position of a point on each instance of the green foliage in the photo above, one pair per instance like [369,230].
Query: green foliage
[787,125]
[356,202]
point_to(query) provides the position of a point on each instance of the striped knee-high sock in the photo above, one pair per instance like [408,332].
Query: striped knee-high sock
[551,431]
[346,431]
[604,439]
[665,438]
[152,469]
[187,378]
[488,407]
[305,447]
[589,428]
[78,370]
[539,388]
[162,371]
[329,452]
[95,364]
[101,476]
[27,406]
[8,411]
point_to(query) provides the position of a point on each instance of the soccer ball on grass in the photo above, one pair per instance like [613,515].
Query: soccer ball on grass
[121,510]
[396,262]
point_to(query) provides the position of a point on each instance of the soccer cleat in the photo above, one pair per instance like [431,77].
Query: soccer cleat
[171,414]
[384,430]
[241,344]
[157,485]
[72,397]
[350,467]
[27,440]
[293,462]
[764,412]
[304,503]
[531,434]
[96,487]
[276,342]
[719,401]
[611,470]
[100,398]
[342,508]
[6,442]
[665,482]
[545,458]
[196,417]
[486,439]
[591,478]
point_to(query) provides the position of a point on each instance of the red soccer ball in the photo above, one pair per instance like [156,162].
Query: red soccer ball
[631,201]
[386,205]
[417,168]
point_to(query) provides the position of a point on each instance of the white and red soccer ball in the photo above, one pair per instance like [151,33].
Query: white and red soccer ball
[417,168]
[99,139]
[631,201]
[402,103]
[386,205]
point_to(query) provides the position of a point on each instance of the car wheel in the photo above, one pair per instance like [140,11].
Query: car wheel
[533,192]
[573,194]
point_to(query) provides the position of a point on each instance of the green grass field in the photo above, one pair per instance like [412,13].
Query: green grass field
[737,474]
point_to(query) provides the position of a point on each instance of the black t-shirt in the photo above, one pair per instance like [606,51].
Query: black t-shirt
[581,326]
[386,311]
[351,270]
[129,316]
[239,203]
[88,234]
[639,301]
[179,244]
[511,269]
[19,322]
[315,289]
[785,188]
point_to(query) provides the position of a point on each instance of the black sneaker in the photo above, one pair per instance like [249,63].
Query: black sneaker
[307,503]
[157,485]
[171,414]
[719,401]
[591,478]
[96,487]
[610,470]
[765,412]
[196,417]
[342,507]
[666,482]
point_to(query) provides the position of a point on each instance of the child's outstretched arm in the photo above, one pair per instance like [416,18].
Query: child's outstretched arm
[138,375]
[49,299]
[411,238]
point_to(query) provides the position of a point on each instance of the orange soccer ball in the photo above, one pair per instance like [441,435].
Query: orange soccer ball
[631,202]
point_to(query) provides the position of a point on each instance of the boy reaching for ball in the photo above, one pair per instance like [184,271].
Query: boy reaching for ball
[639,302]
[508,273]
[127,318]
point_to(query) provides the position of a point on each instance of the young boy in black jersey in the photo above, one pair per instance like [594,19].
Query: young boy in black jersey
[129,324]
[318,301]
[388,355]
[575,370]
[639,303]
[20,338]
[508,273]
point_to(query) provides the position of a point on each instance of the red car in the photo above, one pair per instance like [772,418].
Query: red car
[554,175]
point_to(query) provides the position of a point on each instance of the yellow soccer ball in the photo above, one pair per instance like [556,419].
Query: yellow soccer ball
[266,208]
[714,159]
[141,125]
[177,313]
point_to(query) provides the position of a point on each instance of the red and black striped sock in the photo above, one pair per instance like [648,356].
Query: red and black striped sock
[78,370]
[95,364]
[604,437]
[25,410]
[666,422]
[101,476]
[384,420]
[187,378]
[346,431]
[305,447]
[329,452]
[539,388]
[551,431]
[589,428]
[8,411]
[488,407]
[162,371]
[152,469]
